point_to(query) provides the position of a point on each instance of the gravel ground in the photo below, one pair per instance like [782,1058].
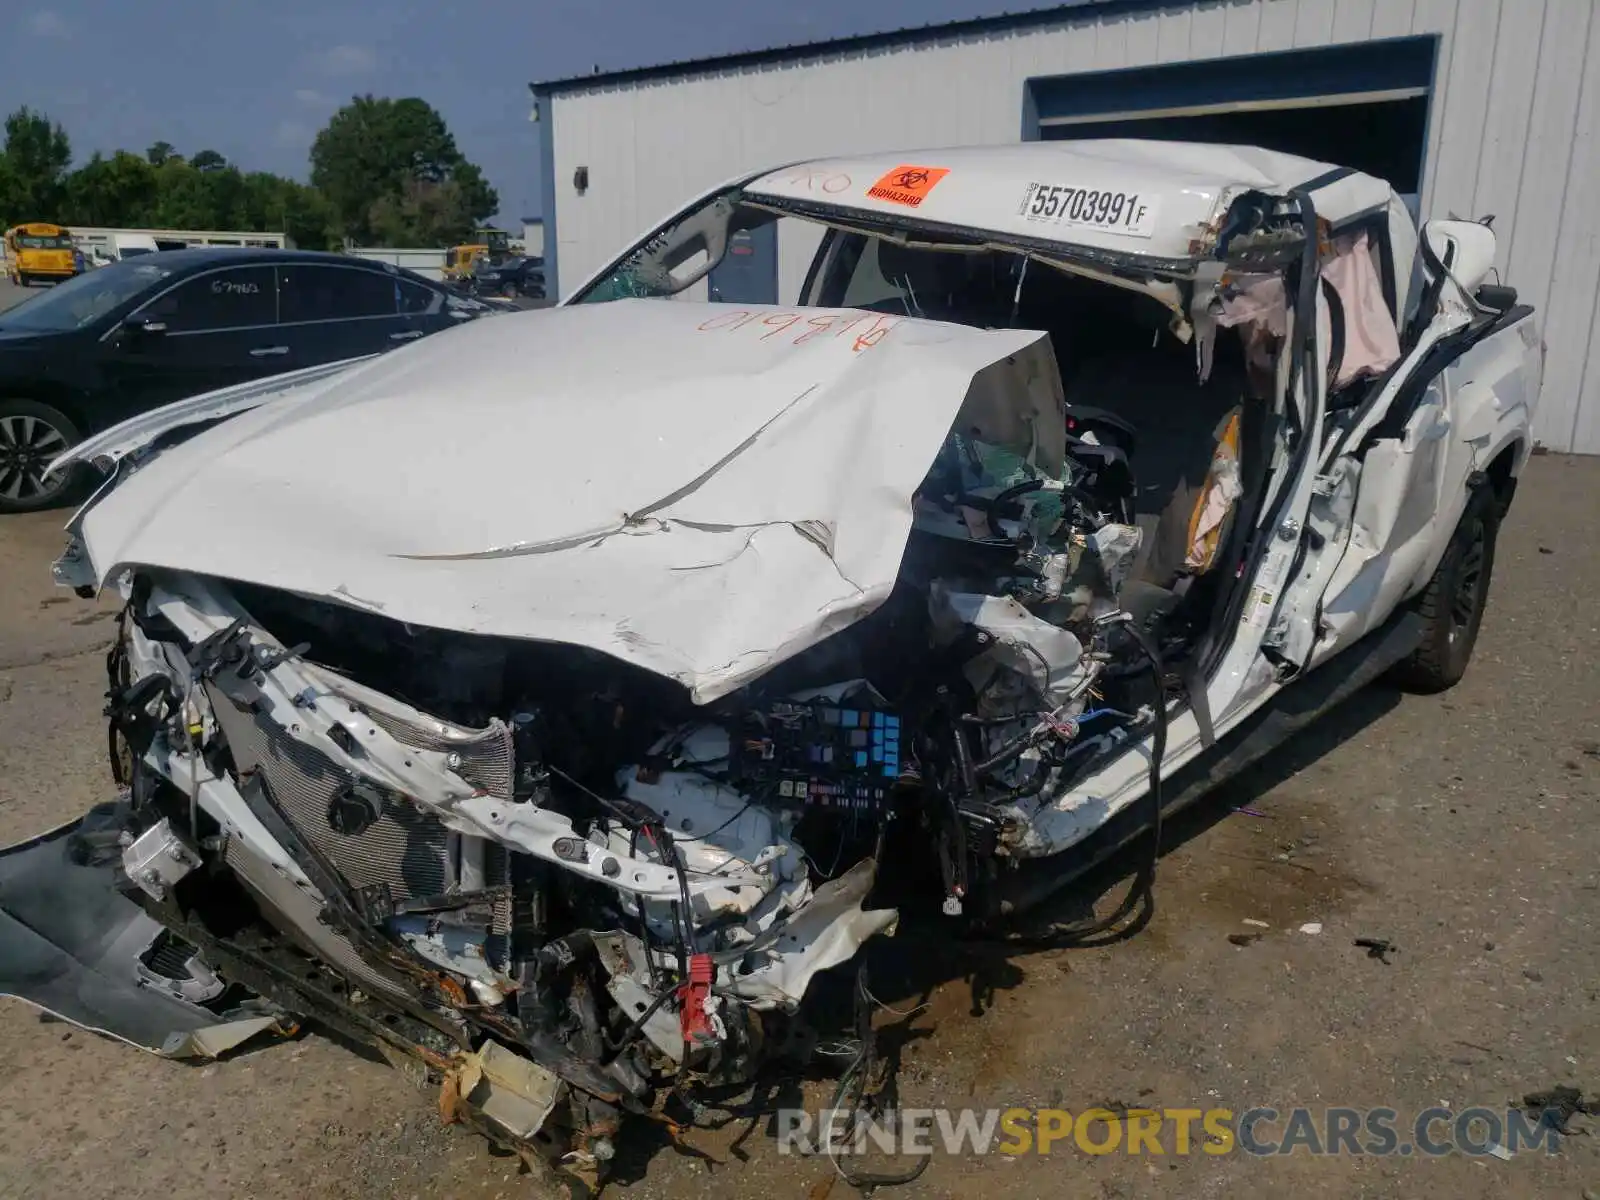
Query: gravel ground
[1461,827]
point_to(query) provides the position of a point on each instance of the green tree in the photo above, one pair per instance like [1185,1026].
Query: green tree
[183,200]
[395,162]
[36,157]
[120,190]
[303,213]
[424,214]
[479,200]
[430,192]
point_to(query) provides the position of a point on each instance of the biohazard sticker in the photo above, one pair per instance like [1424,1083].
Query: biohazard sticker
[907,185]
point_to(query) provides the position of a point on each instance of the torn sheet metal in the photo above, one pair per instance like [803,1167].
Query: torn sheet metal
[827,932]
[214,1041]
[645,478]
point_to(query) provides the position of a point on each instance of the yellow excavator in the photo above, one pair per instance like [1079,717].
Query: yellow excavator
[491,244]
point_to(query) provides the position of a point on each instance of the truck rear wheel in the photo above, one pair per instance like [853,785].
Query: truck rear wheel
[1452,604]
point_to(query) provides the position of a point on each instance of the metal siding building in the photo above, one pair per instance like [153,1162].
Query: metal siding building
[1507,123]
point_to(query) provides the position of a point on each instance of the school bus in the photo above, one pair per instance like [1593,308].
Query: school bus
[39,250]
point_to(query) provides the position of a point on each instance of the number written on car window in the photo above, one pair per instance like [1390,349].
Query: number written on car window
[235,298]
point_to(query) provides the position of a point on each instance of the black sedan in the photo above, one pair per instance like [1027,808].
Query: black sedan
[113,342]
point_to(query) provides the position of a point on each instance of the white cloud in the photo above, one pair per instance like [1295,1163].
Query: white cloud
[310,97]
[47,23]
[347,60]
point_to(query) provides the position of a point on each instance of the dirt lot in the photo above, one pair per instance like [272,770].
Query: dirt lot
[1463,828]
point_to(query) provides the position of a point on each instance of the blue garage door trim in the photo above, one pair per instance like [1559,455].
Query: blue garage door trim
[1285,76]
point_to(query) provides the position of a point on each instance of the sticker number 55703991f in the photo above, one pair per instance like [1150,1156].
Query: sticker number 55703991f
[1128,213]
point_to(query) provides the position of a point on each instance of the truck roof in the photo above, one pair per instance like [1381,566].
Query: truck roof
[1126,196]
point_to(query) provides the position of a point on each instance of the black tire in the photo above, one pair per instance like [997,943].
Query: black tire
[24,279]
[31,436]
[1452,604]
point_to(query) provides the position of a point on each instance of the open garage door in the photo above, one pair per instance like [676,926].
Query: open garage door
[1363,106]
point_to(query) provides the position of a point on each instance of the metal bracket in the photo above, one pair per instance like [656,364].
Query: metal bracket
[157,859]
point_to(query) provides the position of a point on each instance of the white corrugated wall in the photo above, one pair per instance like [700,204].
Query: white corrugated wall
[1514,131]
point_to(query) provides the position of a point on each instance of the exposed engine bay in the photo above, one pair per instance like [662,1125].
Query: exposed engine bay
[541,845]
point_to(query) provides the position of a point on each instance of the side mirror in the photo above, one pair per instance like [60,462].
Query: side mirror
[143,323]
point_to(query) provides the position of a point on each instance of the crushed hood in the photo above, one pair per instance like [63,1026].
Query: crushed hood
[698,489]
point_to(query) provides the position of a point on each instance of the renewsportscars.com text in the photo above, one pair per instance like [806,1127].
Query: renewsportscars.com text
[1262,1132]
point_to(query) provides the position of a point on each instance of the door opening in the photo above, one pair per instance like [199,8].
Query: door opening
[1364,105]
[1384,138]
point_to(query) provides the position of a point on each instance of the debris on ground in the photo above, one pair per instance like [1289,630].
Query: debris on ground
[1557,1106]
[1121,1108]
[1378,948]
[1243,939]
[1256,923]
[1311,927]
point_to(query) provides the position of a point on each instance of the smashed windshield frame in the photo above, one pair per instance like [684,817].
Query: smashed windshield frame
[685,250]
[83,299]
[678,255]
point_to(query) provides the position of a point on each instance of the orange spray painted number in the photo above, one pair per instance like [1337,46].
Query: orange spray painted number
[798,328]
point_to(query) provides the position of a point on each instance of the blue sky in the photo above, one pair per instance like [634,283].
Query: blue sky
[255,79]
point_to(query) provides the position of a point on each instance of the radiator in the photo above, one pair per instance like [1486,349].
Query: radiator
[406,848]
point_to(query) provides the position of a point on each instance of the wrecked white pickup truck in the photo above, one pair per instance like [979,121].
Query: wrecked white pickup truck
[551,701]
